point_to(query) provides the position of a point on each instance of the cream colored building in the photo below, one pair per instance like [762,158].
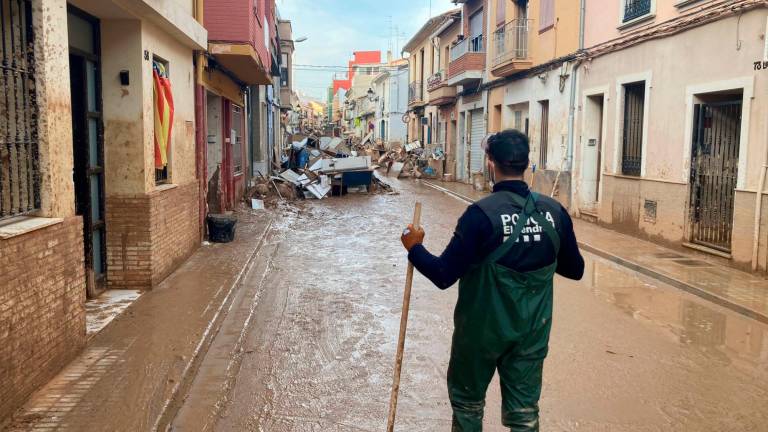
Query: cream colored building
[673,124]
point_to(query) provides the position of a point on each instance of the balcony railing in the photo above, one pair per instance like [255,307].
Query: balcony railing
[511,41]
[435,80]
[636,8]
[474,44]
[415,92]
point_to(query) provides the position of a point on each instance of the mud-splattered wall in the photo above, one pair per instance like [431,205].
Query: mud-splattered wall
[181,72]
[42,275]
[53,98]
[124,126]
[725,68]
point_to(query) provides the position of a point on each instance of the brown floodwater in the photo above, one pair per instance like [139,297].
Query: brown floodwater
[627,353]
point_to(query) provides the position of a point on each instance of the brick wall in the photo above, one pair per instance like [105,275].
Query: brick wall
[42,313]
[129,244]
[175,231]
[470,61]
[149,235]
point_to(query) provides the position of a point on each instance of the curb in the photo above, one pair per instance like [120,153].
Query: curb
[164,418]
[669,280]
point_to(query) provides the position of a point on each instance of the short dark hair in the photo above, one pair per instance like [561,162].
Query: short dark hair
[509,151]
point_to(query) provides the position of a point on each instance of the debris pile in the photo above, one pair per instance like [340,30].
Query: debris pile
[317,167]
[412,160]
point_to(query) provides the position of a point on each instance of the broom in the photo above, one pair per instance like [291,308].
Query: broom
[403,327]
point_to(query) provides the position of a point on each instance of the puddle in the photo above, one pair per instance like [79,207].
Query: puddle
[718,333]
[102,310]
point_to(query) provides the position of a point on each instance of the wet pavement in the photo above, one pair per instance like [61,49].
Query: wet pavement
[314,346]
[690,270]
[126,377]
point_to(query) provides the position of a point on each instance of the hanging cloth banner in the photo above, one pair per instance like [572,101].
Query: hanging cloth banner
[163,108]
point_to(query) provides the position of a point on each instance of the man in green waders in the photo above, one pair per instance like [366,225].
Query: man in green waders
[505,252]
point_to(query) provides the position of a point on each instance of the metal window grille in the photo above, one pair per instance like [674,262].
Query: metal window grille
[544,138]
[415,92]
[636,8]
[19,170]
[632,145]
[714,173]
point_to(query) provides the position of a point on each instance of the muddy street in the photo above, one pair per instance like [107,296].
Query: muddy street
[627,353]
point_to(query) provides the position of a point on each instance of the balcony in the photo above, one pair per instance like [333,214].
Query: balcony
[510,44]
[440,93]
[234,45]
[242,60]
[416,93]
[467,61]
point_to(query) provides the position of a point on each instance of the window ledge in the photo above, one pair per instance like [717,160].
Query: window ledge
[165,187]
[638,20]
[685,3]
[25,224]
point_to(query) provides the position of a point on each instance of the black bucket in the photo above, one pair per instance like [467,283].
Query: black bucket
[221,228]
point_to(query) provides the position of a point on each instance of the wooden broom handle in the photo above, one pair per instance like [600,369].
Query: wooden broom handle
[403,327]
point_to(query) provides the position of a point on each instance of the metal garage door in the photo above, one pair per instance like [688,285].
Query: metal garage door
[476,138]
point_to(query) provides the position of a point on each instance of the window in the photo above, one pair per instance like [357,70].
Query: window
[19,171]
[632,142]
[163,115]
[501,12]
[519,120]
[546,15]
[544,135]
[635,9]
[237,139]
[284,70]
[476,32]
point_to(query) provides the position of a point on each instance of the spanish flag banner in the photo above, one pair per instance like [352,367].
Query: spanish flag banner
[163,104]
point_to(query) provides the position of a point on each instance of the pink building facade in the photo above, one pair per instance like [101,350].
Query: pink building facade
[672,125]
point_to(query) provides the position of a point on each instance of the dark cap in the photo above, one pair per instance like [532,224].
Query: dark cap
[509,148]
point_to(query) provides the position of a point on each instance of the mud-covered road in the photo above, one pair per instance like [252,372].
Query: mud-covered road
[627,353]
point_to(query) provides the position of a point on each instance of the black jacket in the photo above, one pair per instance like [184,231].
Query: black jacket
[476,237]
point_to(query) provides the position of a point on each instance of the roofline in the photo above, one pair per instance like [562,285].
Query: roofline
[430,26]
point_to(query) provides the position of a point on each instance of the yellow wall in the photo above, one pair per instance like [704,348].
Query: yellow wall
[558,41]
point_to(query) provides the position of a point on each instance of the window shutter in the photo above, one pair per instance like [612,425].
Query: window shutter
[547,14]
[501,11]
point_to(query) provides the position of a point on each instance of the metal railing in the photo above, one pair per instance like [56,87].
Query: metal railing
[415,91]
[19,158]
[511,41]
[469,45]
[636,8]
[435,80]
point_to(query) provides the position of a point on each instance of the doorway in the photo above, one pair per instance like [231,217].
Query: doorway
[592,152]
[714,169]
[476,134]
[215,155]
[88,142]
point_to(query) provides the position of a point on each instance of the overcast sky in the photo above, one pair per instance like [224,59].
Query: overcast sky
[336,28]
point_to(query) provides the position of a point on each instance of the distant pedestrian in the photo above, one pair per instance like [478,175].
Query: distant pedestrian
[505,252]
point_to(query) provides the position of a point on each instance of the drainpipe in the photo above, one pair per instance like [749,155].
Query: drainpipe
[758,212]
[760,188]
[201,154]
[572,107]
